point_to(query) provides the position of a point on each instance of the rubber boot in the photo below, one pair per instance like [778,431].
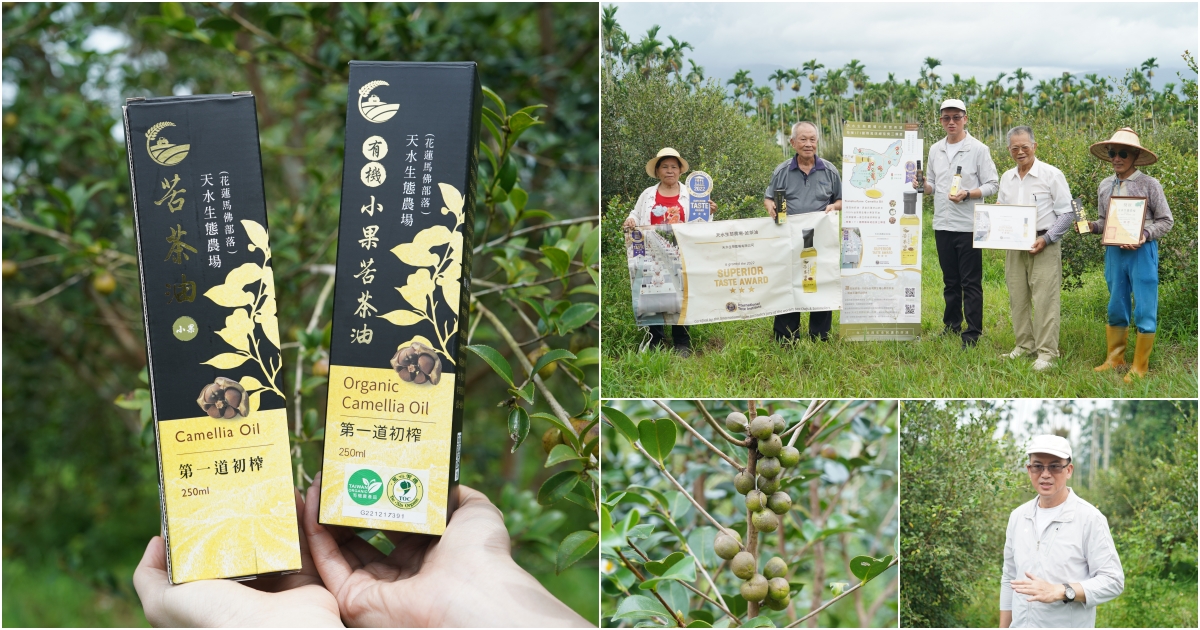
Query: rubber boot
[1141,356]
[1116,348]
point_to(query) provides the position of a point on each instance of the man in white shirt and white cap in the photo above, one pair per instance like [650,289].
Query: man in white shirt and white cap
[1059,558]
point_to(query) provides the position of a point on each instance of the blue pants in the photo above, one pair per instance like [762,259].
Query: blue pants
[1133,274]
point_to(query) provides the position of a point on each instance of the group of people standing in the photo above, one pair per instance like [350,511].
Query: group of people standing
[1033,277]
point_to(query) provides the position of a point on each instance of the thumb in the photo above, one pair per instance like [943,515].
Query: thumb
[150,580]
[1031,576]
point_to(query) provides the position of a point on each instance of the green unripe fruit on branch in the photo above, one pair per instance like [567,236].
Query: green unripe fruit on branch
[754,589]
[778,424]
[828,452]
[765,521]
[769,486]
[551,438]
[756,500]
[743,565]
[736,422]
[780,502]
[770,447]
[762,427]
[789,456]
[726,547]
[776,568]
[778,588]
[744,482]
[769,467]
[779,604]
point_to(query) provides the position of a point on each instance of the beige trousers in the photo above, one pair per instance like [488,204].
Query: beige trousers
[1034,284]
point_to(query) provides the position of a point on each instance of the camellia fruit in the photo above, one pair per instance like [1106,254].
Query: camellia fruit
[778,604]
[726,547]
[743,565]
[320,367]
[828,452]
[778,424]
[780,502]
[551,438]
[755,588]
[744,482]
[104,283]
[770,447]
[776,568]
[778,588]
[548,370]
[756,500]
[10,268]
[761,427]
[789,456]
[765,521]
[736,422]
[769,486]
[769,467]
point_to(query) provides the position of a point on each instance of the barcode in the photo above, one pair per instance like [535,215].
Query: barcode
[910,309]
[910,292]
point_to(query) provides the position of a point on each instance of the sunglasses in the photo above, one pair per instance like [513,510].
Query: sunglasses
[1038,468]
[1123,153]
[956,118]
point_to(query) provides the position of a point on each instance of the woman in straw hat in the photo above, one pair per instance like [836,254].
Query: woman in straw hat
[1131,271]
[665,202]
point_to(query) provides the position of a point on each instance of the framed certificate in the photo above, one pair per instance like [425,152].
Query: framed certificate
[1123,225]
[1004,226]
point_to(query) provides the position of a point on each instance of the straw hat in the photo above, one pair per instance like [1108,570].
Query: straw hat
[1125,137]
[667,152]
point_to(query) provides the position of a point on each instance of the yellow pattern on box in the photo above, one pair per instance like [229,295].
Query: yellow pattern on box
[228,495]
[379,422]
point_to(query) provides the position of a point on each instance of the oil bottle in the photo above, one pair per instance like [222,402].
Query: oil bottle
[910,230]
[956,182]
[808,261]
[780,206]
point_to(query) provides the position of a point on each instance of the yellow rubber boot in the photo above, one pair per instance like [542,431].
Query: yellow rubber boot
[1116,348]
[1141,356]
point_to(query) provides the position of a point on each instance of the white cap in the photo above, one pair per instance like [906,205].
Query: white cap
[953,102]
[1050,445]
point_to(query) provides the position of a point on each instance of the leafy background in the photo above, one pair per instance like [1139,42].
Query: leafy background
[962,474]
[80,488]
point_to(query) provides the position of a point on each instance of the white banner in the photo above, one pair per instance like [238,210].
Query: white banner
[881,232]
[697,273]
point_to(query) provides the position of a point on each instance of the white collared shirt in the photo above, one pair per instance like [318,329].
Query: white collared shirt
[978,171]
[1076,547]
[1043,186]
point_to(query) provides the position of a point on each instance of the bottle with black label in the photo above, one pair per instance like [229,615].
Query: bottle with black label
[808,261]
[780,206]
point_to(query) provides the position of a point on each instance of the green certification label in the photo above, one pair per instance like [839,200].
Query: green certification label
[365,487]
[185,328]
[405,490]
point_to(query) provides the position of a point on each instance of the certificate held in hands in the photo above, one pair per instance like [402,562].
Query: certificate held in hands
[1123,225]
[999,226]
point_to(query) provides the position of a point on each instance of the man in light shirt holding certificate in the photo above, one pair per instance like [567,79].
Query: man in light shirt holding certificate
[1034,277]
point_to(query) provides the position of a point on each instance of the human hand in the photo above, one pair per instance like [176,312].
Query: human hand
[712,206]
[1039,590]
[1038,245]
[290,600]
[629,224]
[769,204]
[960,197]
[464,578]
[1137,245]
[831,208]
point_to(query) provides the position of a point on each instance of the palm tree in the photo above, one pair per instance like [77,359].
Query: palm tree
[810,67]
[836,84]
[1019,76]
[673,55]
[1148,67]
[741,82]
[780,77]
[696,74]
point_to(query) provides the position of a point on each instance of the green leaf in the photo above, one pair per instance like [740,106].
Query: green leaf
[508,174]
[702,616]
[518,123]
[700,542]
[698,624]
[561,453]
[659,567]
[574,547]
[576,316]
[761,621]
[684,570]
[527,392]
[494,359]
[519,197]
[621,422]
[518,426]
[559,260]
[221,24]
[591,247]
[637,607]
[492,127]
[587,356]
[556,354]
[657,437]
[567,432]
[495,99]
[866,567]
[557,487]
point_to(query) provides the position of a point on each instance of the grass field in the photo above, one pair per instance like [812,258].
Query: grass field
[741,359]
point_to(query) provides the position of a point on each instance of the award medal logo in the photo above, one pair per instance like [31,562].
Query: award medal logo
[373,109]
[699,186]
[162,151]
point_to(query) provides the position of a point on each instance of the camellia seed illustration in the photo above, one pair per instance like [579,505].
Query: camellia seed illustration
[765,521]
[224,398]
[770,447]
[789,456]
[756,500]
[780,502]
[775,568]
[742,565]
[726,547]
[755,588]
[744,482]
[769,468]
[417,363]
[736,422]
[762,427]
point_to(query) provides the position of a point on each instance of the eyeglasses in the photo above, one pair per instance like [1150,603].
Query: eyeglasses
[1123,153]
[1039,468]
[955,118]
[1023,147]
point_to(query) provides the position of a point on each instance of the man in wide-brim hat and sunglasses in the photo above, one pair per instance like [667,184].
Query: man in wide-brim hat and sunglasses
[1131,271]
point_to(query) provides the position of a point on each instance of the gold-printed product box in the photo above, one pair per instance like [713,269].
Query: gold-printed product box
[393,427]
[212,337]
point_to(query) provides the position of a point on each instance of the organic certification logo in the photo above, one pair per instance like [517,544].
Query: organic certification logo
[373,109]
[405,490]
[162,151]
[364,487]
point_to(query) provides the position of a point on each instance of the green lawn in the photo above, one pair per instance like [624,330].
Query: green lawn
[741,359]
[49,597]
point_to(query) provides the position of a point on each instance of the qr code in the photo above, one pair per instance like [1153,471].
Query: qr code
[910,292]
[910,309]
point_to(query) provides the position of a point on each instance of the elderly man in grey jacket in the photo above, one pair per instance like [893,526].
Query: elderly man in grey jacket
[1059,558]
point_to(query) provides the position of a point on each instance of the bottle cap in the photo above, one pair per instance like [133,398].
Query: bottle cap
[808,238]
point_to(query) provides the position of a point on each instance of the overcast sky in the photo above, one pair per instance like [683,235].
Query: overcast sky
[972,39]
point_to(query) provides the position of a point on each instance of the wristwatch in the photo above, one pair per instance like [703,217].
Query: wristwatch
[1068,594]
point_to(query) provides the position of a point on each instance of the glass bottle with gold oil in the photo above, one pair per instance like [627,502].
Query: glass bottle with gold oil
[910,230]
[808,262]
[956,182]
[780,206]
